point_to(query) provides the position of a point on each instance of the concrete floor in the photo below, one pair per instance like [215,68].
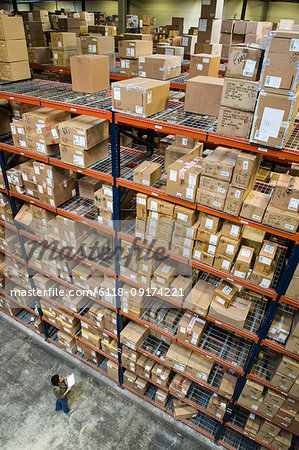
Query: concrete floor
[105,417]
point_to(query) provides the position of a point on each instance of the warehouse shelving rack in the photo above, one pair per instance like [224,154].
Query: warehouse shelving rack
[227,431]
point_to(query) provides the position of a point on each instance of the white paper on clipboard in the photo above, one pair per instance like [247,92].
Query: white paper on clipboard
[71,380]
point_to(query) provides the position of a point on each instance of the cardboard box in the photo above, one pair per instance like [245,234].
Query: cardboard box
[188,42]
[245,170]
[293,289]
[170,50]
[294,390]
[199,366]
[281,326]
[83,132]
[243,261]
[211,49]
[97,45]
[161,397]
[234,122]
[183,177]
[274,399]
[182,410]
[212,8]
[209,30]
[129,66]
[185,216]
[140,97]
[213,200]
[286,193]
[253,390]
[190,329]
[282,382]
[11,28]
[234,315]
[245,62]
[133,335]
[203,95]
[63,41]
[61,58]
[225,293]
[15,71]
[177,151]
[200,297]
[209,223]
[220,164]
[227,385]
[281,111]
[280,75]
[254,206]
[180,386]
[81,157]
[13,50]
[39,55]
[159,67]
[90,73]
[147,173]
[204,64]
[239,94]
[134,49]
[88,186]
[280,219]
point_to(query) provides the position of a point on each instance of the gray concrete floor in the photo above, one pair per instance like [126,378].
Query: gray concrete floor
[105,417]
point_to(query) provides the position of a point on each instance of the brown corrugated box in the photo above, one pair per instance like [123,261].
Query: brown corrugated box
[13,50]
[11,28]
[203,95]
[283,220]
[159,67]
[239,94]
[234,122]
[83,131]
[133,335]
[139,96]
[273,119]
[129,66]
[190,328]
[200,297]
[39,55]
[286,193]
[245,62]
[220,164]
[15,71]
[254,206]
[61,58]
[243,261]
[211,49]
[183,177]
[134,49]
[161,397]
[81,157]
[147,173]
[235,314]
[204,64]
[182,410]
[90,73]
[224,293]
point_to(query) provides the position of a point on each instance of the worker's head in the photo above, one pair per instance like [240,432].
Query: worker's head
[55,380]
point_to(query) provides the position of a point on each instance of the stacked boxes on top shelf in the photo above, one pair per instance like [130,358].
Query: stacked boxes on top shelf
[209,26]
[34,28]
[99,45]
[64,45]
[240,91]
[148,24]
[14,63]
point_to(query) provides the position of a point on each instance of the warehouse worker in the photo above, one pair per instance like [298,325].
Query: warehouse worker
[61,391]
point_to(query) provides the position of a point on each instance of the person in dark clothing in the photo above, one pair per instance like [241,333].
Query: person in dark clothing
[61,391]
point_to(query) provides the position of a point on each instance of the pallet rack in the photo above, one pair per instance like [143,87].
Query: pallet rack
[228,430]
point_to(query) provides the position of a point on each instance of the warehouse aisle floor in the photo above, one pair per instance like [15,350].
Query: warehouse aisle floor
[105,417]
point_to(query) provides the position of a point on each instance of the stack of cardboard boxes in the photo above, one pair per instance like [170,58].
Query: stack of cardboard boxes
[83,140]
[14,64]
[148,24]
[209,24]
[64,45]
[278,101]
[239,93]
[37,131]
[103,200]
[86,20]
[34,32]
[130,53]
